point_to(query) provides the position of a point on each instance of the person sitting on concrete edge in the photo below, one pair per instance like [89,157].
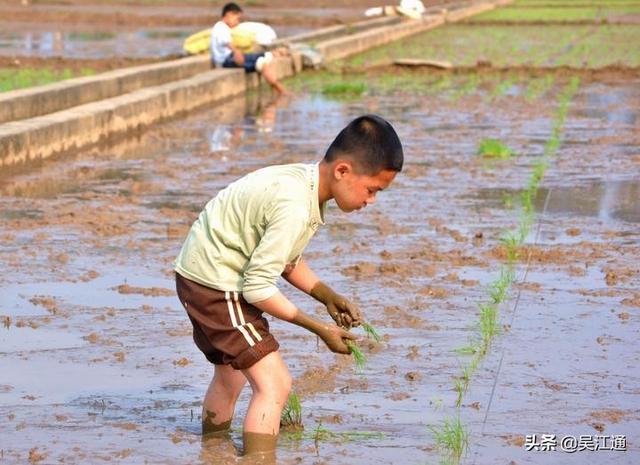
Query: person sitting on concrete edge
[225,55]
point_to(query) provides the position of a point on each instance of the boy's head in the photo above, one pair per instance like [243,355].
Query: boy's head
[231,14]
[363,159]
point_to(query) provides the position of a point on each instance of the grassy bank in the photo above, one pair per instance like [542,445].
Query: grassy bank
[12,78]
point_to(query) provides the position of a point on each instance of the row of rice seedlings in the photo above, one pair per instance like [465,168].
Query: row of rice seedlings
[322,434]
[452,435]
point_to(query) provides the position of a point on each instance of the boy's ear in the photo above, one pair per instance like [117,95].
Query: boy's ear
[342,169]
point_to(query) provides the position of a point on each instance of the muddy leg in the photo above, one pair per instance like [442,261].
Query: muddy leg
[220,399]
[271,382]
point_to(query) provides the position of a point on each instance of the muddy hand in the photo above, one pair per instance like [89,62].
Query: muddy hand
[343,312]
[334,337]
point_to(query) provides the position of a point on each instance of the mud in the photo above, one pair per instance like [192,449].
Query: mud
[90,239]
[87,305]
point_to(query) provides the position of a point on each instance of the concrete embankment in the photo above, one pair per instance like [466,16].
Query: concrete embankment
[40,122]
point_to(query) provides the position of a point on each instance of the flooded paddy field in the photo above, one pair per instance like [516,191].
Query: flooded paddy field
[97,359]
[504,45]
[42,42]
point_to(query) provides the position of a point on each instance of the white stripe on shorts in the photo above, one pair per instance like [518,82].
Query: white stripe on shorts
[234,322]
[241,316]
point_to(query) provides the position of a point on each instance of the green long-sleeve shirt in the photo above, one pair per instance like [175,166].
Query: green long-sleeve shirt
[248,233]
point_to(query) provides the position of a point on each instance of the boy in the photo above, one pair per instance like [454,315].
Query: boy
[251,233]
[225,55]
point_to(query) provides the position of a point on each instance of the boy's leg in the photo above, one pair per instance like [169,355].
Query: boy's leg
[220,399]
[270,77]
[271,382]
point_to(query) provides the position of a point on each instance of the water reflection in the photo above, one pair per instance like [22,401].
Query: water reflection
[259,117]
[605,200]
[94,43]
[612,106]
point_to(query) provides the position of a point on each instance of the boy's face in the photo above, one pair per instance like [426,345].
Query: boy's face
[232,19]
[353,191]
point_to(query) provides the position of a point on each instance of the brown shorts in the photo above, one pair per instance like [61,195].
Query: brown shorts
[226,328]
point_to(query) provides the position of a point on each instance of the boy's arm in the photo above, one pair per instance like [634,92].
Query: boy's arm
[345,313]
[238,56]
[285,222]
[281,307]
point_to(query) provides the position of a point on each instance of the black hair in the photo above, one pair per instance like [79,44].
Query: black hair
[371,143]
[231,8]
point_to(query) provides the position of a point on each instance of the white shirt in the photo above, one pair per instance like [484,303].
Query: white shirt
[220,41]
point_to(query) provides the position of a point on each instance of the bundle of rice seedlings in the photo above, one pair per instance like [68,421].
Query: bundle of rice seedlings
[371,332]
[358,356]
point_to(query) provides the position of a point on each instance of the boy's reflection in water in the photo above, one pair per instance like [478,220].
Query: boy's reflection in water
[260,118]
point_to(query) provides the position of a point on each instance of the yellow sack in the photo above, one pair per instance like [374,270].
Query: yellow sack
[200,42]
[243,39]
[245,36]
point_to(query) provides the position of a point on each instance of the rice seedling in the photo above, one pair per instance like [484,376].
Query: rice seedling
[526,199]
[539,170]
[507,200]
[538,87]
[291,417]
[371,332]
[503,87]
[524,226]
[488,324]
[460,387]
[493,148]
[499,288]
[452,437]
[358,356]
[511,243]
[461,383]
[466,350]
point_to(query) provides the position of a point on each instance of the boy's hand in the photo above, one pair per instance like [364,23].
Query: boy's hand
[334,336]
[343,312]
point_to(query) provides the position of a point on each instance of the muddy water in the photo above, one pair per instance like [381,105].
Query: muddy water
[97,361]
[97,31]
[84,42]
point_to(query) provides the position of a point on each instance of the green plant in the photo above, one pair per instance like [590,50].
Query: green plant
[345,89]
[466,350]
[460,387]
[511,243]
[452,437]
[291,417]
[493,148]
[320,433]
[488,324]
[371,332]
[507,200]
[358,356]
